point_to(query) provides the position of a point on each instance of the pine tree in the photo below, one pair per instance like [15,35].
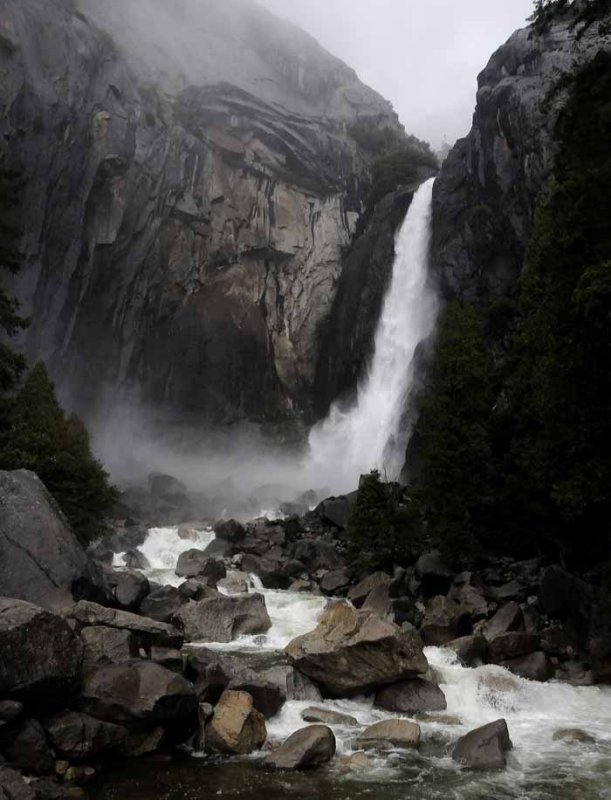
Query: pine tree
[41,439]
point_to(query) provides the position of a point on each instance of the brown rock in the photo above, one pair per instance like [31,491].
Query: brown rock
[390,734]
[305,749]
[237,727]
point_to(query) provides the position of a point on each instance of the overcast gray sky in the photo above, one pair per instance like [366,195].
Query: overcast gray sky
[422,55]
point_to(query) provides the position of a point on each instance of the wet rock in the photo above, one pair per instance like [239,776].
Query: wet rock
[336,510]
[223,619]
[162,603]
[194,589]
[573,736]
[439,719]
[216,672]
[78,737]
[296,685]
[411,697]
[316,555]
[237,727]
[507,619]
[127,588]
[196,564]
[103,645]
[359,593]
[465,593]
[435,576]
[149,631]
[230,531]
[307,748]
[533,667]
[134,559]
[13,786]
[471,650]
[443,621]
[511,645]
[390,734]
[139,692]
[352,652]
[25,747]
[484,748]
[219,549]
[270,571]
[40,557]
[327,717]
[378,602]
[10,710]
[168,657]
[40,656]
[235,582]
[355,762]
[335,582]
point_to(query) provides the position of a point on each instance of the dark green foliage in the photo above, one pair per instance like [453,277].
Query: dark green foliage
[582,11]
[514,437]
[398,168]
[385,527]
[40,438]
[11,363]
[452,436]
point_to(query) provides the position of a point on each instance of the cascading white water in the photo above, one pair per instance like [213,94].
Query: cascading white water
[371,435]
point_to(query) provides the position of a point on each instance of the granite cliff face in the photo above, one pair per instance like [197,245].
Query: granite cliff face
[192,183]
[492,181]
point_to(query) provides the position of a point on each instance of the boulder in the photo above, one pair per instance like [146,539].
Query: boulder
[10,710]
[272,572]
[444,621]
[533,667]
[511,645]
[219,549]
[103,645]
[471,650]
[359,593]
[168,657]
[230,531]
[216,672]
[573,736]
[305,749]
[326,717]
[378,602]
[78,737]
[26,748]
[235,582]
[194,589]
[148,631]
[40,558]
[512,590]
[237,727]
[336,510]
[508,618]
[466,593]
[126,587]
[196,564]
[223,619]
[293,683]
[335,582]
[139,692]
[389,734]
[411,697]
[485,747]
[162,603]
[40,656]
[435,575]
[352,652]
[14,787]
[316,555]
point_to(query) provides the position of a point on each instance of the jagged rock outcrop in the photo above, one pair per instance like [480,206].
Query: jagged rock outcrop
[491,183]
[193,178]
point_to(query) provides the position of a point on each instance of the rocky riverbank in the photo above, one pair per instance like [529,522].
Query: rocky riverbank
[96,663]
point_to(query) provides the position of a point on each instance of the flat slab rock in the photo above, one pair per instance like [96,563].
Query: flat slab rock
[353,652]
[388,735]
[159,633]
[484,748]
[327,717]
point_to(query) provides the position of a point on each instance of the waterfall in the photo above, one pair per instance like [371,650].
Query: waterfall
[370,435]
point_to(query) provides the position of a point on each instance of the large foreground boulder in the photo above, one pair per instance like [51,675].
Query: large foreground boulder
[305,749]
[78,737]
[139,692]
[485,747]
[352,652]
[236,727]
[411,697]
[40,557]
[40,656]
[223,619]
